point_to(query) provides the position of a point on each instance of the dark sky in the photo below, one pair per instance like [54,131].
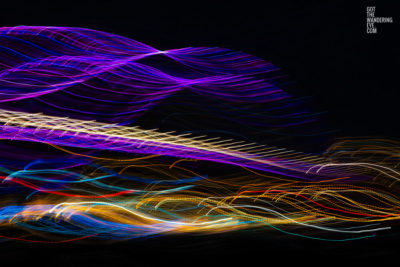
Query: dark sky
[321,45]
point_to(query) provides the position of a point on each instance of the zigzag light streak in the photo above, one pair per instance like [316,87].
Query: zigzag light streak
[86,134]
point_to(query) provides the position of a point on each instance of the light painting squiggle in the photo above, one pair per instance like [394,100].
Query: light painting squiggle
[79,161]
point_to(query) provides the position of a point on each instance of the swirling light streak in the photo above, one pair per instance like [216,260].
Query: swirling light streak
[78,162]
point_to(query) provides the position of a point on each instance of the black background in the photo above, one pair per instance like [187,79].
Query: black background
[321,45]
